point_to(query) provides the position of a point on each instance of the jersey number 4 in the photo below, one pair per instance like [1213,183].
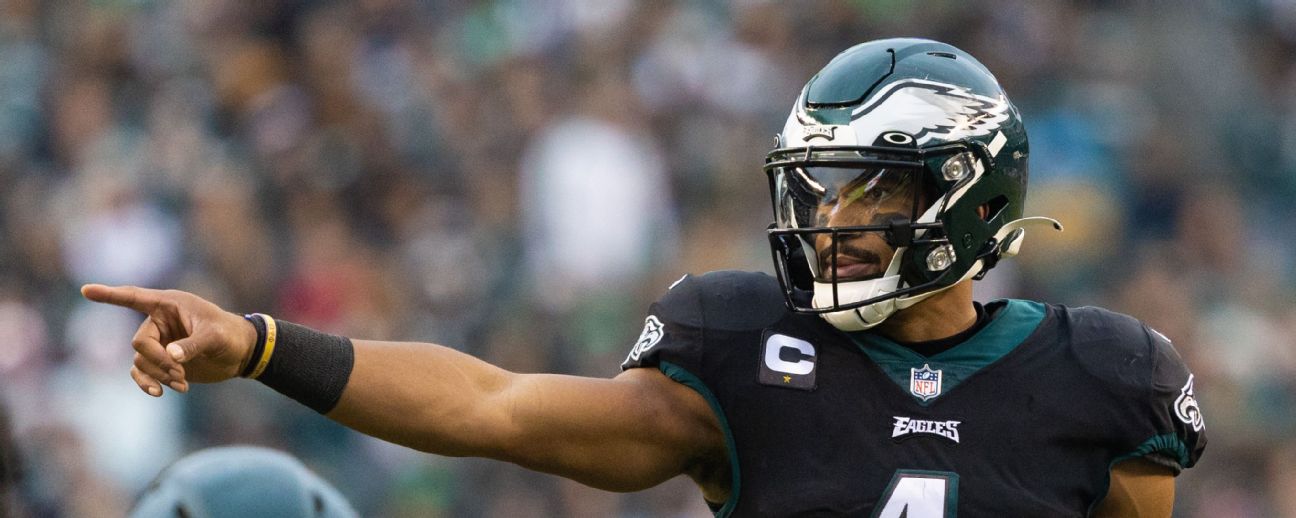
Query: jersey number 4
[919,494]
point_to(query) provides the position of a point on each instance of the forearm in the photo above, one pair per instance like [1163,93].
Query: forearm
[427,397]
[624,434]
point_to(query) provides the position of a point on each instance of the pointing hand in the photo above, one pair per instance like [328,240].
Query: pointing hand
[184,337]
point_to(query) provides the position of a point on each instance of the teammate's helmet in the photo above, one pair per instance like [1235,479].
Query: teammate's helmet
[900,141]
[239,481]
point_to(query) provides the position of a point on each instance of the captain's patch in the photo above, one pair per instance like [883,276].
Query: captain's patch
[787,362]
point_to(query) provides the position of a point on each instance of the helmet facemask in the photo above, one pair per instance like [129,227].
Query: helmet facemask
[846,223]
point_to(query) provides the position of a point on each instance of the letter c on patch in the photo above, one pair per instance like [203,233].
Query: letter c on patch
[775,345]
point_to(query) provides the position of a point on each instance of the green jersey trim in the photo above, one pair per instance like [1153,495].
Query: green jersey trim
[688,379]
[1010,327]
[1168,444]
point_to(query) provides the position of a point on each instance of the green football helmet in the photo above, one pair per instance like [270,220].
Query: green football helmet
[907,146]
[240,481]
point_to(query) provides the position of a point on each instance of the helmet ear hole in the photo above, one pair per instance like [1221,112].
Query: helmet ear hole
[993,208]
[929,192]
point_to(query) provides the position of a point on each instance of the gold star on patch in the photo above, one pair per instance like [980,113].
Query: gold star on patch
[787,379]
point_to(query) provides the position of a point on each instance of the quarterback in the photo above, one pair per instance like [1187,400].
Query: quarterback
[860,379]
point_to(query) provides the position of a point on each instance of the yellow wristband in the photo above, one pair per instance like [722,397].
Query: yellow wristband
[271,331]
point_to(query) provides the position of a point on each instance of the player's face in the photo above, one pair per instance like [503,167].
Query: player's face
[871,197]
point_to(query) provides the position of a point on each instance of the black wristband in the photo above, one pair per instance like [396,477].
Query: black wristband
[259,348]
[309,366]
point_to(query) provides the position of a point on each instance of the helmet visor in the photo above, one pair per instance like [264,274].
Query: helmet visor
[846,214]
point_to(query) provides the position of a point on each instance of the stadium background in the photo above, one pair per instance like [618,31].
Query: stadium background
[519,179]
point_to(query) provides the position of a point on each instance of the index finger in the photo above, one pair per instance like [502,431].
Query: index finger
[143,300]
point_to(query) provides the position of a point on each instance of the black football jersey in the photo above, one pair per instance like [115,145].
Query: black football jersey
[1024,418]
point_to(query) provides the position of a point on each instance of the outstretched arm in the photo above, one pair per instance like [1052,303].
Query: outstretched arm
[622,434]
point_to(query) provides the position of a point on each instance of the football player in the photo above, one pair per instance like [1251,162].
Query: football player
[861,379]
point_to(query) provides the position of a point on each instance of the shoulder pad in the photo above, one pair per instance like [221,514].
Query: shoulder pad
[723,300]
[695,308]
[1113,347]
[1140,366]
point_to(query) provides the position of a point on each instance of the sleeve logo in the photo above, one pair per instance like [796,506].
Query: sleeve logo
[652,333]
[1186,407]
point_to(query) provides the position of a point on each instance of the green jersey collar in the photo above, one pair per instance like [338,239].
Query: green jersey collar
[1009,327]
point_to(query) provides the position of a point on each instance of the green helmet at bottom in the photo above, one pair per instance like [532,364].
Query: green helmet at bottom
[240,481]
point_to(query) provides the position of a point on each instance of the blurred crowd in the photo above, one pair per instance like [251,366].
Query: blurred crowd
[520,178]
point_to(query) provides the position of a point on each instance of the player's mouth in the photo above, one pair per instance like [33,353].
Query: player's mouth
[852,265]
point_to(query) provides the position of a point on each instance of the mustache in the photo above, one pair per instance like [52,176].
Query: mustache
[847,250]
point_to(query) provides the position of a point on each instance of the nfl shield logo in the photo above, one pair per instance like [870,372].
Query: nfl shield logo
[925,383]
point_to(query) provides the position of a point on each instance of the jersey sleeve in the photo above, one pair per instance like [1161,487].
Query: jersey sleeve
[673,330]
[1147,406]
[703,315]
[1172,409]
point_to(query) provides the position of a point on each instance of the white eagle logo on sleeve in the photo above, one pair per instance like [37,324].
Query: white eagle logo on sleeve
[1186,407]
[653,332]
[928,110]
